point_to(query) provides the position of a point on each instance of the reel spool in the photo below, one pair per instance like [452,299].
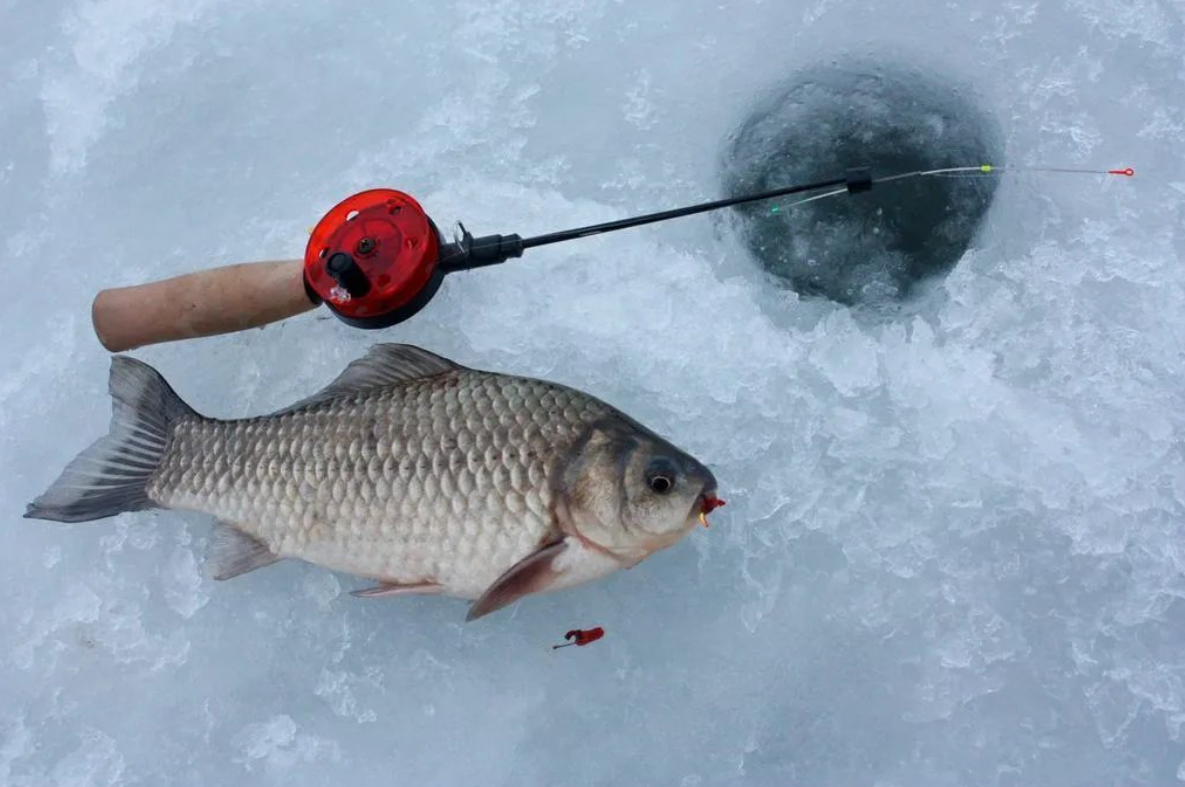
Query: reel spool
[376,258]
[373,259]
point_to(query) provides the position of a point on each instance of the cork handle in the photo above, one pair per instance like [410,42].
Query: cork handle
[205,303]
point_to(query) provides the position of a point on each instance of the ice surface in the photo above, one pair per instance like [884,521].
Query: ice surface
[953,551]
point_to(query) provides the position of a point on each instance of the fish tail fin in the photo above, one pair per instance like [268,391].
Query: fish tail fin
[112,475]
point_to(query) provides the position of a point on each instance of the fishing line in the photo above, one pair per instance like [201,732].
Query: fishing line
[980,171]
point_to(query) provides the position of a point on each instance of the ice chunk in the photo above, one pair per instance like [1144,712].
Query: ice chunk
[183,583]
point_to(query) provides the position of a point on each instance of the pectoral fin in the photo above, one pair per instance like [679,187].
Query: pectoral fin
[532,574]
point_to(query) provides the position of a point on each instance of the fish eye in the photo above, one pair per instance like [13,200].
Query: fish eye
[660,476]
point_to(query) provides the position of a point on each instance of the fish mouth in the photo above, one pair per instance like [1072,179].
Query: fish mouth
[706,504]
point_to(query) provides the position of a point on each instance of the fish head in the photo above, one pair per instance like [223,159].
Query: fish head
[629,493]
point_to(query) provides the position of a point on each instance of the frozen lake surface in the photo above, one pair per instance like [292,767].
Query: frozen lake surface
[954,547]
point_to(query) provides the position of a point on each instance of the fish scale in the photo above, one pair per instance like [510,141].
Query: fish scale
[387,469]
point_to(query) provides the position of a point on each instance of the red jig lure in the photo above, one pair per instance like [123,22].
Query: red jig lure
[581,637]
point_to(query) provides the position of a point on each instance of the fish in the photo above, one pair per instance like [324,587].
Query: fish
[410,470]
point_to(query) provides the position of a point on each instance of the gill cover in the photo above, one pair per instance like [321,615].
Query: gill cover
[607,501]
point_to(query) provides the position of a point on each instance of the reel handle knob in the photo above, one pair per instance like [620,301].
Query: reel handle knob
[205,303]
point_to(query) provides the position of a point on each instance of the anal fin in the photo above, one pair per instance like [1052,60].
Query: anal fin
[233,552]
[387,589]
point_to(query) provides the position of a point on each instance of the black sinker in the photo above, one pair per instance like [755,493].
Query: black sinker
[877,246]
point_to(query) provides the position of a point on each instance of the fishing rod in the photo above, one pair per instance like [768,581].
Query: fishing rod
[376,259]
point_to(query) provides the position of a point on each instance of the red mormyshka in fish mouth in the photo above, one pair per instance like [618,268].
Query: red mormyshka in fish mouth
[710,504]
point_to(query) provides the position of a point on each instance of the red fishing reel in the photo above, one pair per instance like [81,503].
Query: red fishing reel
[376,258]
[372,259]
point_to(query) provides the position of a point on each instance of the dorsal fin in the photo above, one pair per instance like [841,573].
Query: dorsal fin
[384,366]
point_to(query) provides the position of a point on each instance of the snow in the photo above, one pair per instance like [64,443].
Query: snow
[952,552]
